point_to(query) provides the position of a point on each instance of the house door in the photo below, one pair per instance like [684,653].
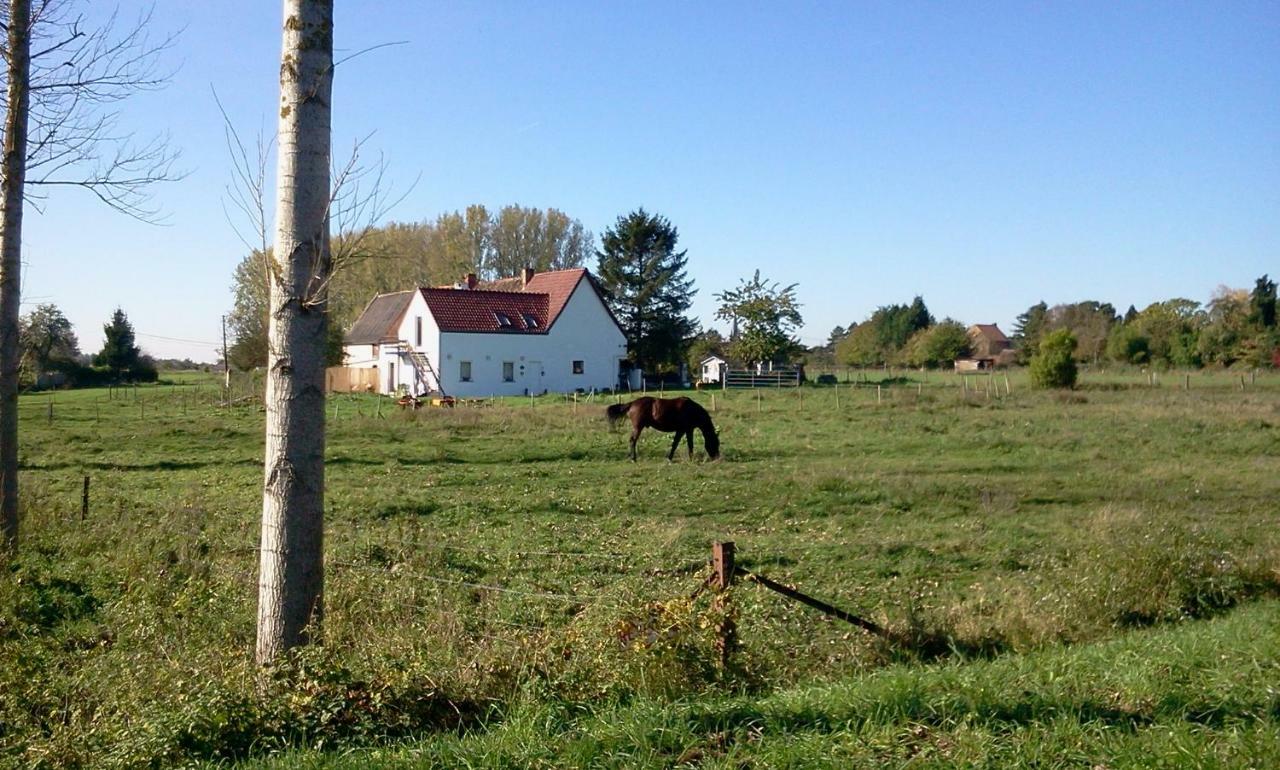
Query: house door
[391,377]
[533,376]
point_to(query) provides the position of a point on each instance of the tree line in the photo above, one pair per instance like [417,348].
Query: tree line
[1234,326]
[639,269]
[402,255]
[50,352]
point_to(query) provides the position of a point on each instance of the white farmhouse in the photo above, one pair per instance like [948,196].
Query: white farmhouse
[532,334]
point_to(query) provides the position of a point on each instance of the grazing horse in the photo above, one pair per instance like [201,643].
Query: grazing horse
[679,415]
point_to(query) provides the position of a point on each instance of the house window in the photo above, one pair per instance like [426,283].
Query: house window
[578,367]
[508,371]
[529,321]
[417,331]
[504,320]
[464,371]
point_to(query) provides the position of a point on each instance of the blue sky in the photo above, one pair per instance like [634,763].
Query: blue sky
[983,155]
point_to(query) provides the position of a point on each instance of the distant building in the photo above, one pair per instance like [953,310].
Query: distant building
[987,341]
[712,369]
[988,348]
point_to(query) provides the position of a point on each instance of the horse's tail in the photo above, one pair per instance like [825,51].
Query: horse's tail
[617,412]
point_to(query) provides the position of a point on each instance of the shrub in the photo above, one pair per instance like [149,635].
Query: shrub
[1053,365]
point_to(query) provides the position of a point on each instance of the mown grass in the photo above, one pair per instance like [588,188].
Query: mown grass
[491,567]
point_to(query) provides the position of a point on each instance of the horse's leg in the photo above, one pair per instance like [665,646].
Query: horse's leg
[674,443]
[688,437]
[635,436]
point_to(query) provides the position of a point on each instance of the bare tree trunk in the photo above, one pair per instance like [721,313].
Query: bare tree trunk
[13,175]
[291,577]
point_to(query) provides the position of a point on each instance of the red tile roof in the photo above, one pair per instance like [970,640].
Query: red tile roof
[558,285]
[477,310]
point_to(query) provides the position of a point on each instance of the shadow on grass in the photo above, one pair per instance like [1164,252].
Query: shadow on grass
[920,708]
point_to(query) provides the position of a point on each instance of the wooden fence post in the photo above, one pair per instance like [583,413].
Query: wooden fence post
[723,570]
[722,565]
[84,500]
[50,412]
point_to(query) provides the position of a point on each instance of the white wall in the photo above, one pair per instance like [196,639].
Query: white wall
[360,356]
[541,362]
[396,370]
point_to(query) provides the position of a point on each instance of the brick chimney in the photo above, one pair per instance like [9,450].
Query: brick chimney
[470,280]
[526,275]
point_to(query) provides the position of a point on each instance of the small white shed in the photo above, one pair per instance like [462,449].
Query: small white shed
[712,369]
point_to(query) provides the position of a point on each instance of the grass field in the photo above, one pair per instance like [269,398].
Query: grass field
[1074,579]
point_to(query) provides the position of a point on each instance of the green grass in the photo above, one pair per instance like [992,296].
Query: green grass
[1196,696]
[1011,533]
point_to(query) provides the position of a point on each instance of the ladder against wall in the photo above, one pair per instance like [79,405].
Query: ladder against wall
[421,368]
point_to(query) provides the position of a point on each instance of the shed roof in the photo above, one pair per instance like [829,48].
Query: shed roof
[379,318]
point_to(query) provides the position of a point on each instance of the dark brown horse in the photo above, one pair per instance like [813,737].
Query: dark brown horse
[679,415]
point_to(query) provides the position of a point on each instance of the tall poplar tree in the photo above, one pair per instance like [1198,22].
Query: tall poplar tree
[291,570]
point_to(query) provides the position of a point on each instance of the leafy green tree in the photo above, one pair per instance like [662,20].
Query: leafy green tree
[522,237]
[705,343]
[766,315]
[46,337]
[247,321]
[1172,329]
[1262,303]
[119,354]
[938,345]
[1226,328]
[859,347]
[643,277]
[1054,365]
[1127,345]
[837,334]
[1028,329]
[1089,322]
[918,316]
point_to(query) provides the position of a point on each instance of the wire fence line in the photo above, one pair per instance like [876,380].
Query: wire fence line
[399,573]
[575,598]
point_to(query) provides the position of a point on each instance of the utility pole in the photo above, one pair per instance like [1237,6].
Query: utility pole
[226,362]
